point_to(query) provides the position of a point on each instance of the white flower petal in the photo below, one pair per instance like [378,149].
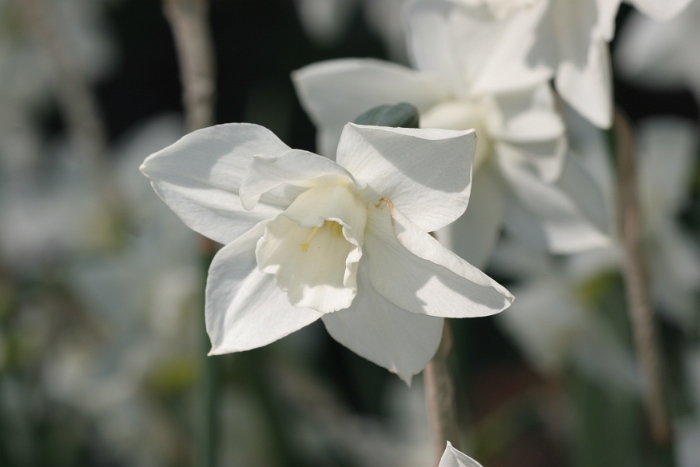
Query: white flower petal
[565,217]
[336,92]
[412,270]
[289,173]
[313,248]
[199,176]
[476,52]
[454,458]
[426,173]
[526,116]
[661,10]
[584,78]
[473,236]
[383,333]
[244,307]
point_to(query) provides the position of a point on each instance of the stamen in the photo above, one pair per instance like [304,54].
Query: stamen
[337,229]
[305,245]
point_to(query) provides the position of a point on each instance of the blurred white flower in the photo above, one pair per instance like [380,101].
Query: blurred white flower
[517,43]
[667,151]
[522,178]
[554,323]
[325,21]
[46,216]
[661,54]
[309,238]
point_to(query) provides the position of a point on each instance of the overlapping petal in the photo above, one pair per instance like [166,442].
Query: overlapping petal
[336,92]
[288,175]
[527,124]
[414,271]
[426,173]
[565,217]
[383,333]
[199,176]
[474,50]
[245,308]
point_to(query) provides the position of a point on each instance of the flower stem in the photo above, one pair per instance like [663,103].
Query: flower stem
[440,397]
[190,27]
[188,21]
[637,284]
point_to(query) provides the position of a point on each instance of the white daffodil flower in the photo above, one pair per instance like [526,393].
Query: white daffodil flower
[346,241]
[522,178]
[661,54]
[511,44]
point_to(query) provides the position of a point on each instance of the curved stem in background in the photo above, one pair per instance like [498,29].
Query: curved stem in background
[440,397]
[637,284]
[190,26]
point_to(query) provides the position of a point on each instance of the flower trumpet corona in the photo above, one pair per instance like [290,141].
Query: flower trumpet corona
[347,242]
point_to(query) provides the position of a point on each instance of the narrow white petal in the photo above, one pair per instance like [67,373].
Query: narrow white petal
[473,236]
[312,249]
[336,92]
[288,175]
[566,217]
[426,173]
[383,333]
[200,175]
[244,307]
[412,270]
[454,458]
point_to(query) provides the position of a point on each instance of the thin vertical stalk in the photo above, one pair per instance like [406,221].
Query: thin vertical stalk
[637,284]
[188,21]
[440,397]
[190,27]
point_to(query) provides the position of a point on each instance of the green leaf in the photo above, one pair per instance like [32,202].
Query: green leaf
[399,116]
